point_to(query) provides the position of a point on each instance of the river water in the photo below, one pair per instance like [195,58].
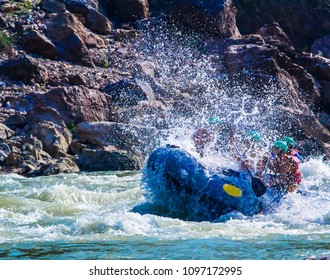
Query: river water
[91,216]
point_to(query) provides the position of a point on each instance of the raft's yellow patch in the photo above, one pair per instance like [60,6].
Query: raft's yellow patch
[232,190]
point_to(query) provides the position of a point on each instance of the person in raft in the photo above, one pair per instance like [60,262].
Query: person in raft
[204,135]
[292,151]
[251,151]
[285,173]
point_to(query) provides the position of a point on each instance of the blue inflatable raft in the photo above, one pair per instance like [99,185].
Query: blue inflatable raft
[179,186]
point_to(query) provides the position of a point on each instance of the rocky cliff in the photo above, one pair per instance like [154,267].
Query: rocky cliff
[96,85]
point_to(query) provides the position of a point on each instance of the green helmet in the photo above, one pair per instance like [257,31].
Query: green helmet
[215,119]
[289,141]
[254,136]
[281,145]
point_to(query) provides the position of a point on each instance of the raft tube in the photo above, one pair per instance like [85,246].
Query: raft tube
[176,182]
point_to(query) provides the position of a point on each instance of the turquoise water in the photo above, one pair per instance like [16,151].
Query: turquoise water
[89,216]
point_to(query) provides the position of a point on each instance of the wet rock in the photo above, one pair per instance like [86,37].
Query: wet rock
[54,138]
[47,125]
[145,113]
[76,147]
[130,10]
[274,35]
[107,158]
[129,92]
[63,165]
[317,66]
[302,28]
[210,17]
[72,39]
[94,20]
[4,152]
[25,69]
[253,58]
[14,159]
[293,104]
[53,6]
[138,140]
[125,35]
[266,62]
[5,132]
[322,47]
[37,43]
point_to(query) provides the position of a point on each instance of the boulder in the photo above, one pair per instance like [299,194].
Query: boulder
[297,18]
[316,65]
[265,63]
[107,158]
[25,69]
[137,140]
[322,46]
[152,113]
[319,68]
[54,138]
[47,125]
[94,20]
[63,165]
[130,10]
[72,39]
[70,105]
[76,104]
[5,132]
[16,121]
[37,43]
[216,18]
[4,152]
[295,94]
[274,35]
[251,59]
[14,159]
[53,6]
[95,4]
[129,92]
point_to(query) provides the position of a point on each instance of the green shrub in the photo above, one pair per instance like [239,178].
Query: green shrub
[5,40]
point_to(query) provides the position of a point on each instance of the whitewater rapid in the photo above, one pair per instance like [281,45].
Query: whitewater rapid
[98,207]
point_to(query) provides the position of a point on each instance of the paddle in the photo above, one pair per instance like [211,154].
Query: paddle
[258,186]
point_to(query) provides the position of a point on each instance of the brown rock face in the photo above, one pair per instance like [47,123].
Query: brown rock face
[94,20]
[37,43]
[73,104]
[296,94]
[130,10]
[47,125]
[25,69]
[274,35]
[138,140]
[72,39]
[303,21]
[216,18]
